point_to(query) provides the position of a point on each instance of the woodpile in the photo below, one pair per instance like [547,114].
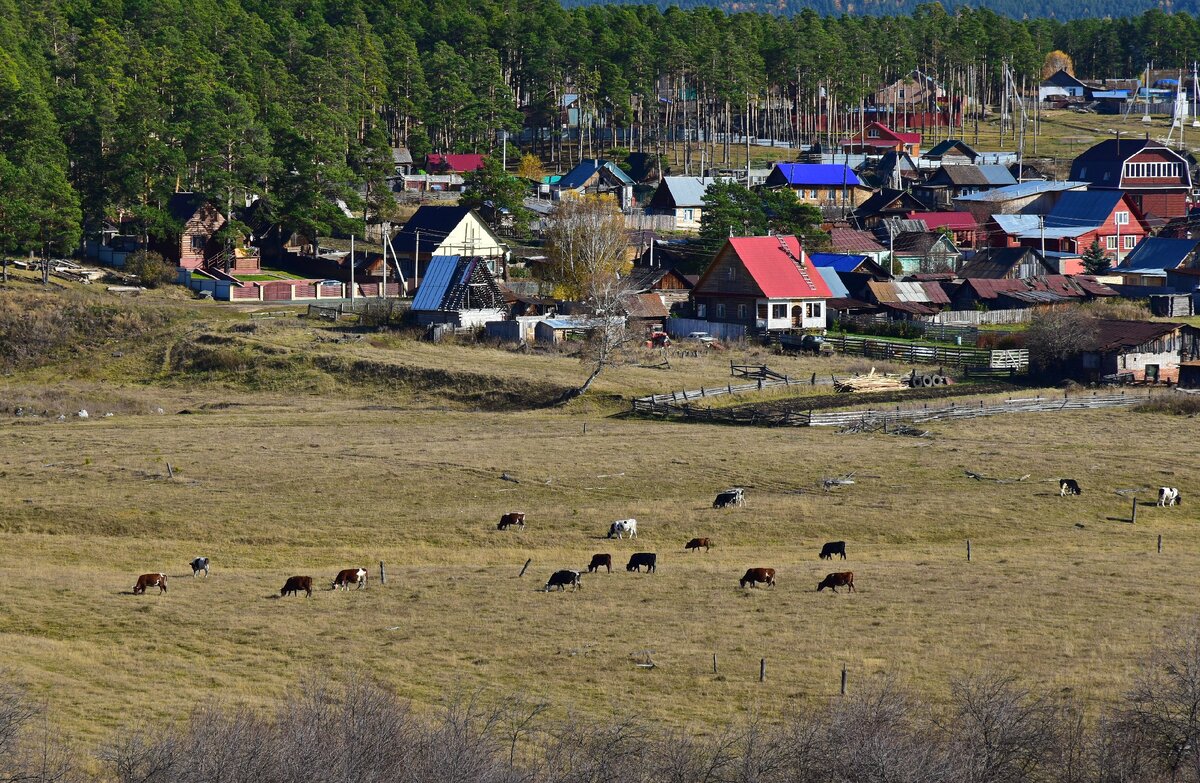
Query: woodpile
[870,383]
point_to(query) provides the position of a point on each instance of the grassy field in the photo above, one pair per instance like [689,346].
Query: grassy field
[286,465]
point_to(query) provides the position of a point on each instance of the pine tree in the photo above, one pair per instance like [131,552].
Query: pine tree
[1095,260]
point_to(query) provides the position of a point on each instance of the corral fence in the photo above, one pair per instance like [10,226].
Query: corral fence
[978,317]
[883,416]
[912,353]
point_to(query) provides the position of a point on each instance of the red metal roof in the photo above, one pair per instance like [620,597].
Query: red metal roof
[1063,285]
[460,163]
[775,271]
[849,240]
[960,221]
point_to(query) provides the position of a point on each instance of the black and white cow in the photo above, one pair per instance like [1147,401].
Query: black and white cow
[622,527]
[561,579]
[1068,487]
[198,565]
[1169,496]
[735,496]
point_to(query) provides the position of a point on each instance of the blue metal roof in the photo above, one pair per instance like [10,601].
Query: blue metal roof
[837,289]
[839,262]
[1083,208]
[1021,190]
[1016,224]
[817,174]
[586,169]
[1156,254]
[996,174]
[437,279]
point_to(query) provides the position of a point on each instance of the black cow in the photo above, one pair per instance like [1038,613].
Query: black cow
[561,579]
[730,497]
[600,561]
[639,559]
[1068,487]
[832,548]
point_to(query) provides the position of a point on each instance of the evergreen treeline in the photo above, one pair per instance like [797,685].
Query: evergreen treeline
[109,106]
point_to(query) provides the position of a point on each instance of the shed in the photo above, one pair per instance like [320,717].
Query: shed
[1145,350]
[458,290]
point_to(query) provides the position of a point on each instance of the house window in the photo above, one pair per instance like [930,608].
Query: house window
[779,311]
[762,312]
[900,93]
[1122,218]
[812,310]
[687,215]
[741,312]
[1130,240]
[872,134]
[701,310]
[730,272]
[720,310]
[1110,243]
[198,242]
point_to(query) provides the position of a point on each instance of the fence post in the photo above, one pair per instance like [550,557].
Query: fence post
[813,381]
[1160,543]
[527,562]
[383,573]
[843,679]
[714,664]
[1133,517]
[968,550]
[762,670]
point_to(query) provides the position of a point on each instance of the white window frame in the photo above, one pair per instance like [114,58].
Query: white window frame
[1129,240]
[779,312]
[1122,218]
[1110,242]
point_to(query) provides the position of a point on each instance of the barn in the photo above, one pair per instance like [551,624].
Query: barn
[1137,350]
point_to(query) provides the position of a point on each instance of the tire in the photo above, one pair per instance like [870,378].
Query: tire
[938,380]
[926,380]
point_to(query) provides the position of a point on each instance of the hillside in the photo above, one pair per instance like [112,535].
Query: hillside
[1046,9]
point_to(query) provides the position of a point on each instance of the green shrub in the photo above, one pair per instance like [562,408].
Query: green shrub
[150,267]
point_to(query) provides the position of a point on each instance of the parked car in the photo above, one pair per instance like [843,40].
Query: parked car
[703,337]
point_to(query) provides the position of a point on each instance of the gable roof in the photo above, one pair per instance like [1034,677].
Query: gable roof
[813,175]
[886,135]
[850,240]
[401,156]
[908,291]
[1103,163]
[946,145]
[1112,334]
[644,278]
[839,262]
[681,191]
[996,262]
[578,177]
[1023,190]
[433,223]
[774,269]
[909,242]
[458,283]
[1083,208]
[966,174]
[183,206]
[956,221]
[836,287]
[1061,78]
[888,199]
[644,306]
[1017,224]
[1044,289]
[1156,254]
[453,162]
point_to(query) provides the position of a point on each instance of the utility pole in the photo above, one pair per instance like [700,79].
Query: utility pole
[351,269]
[1042,226]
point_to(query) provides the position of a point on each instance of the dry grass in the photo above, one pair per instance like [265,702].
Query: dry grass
[271,489]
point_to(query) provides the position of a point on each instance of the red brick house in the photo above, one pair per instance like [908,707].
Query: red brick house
[877,138]
[765,283]
[1157,179]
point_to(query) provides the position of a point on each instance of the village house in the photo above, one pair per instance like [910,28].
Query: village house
[924,251]
[905,300]
[1157,179]
[1153,257]
[1006,263]
[1061,87]
[820,184]
[446,231]
[886,204]
[459,290]
[977,293]
[917,90]
[670,285]
[764,283]
[1080,218]
[681,198]
[961,226]
[595,176]
[951,152]
[955,181]
[199,221]
[877,138]
[1138,350]
[851,241]
[437,163]
[1032,197]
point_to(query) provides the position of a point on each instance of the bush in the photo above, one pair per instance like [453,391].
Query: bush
[150,267]
[1121,309]
[1177,404]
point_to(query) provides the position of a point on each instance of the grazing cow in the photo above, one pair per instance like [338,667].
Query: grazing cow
[346,576]
[1169,496]
[599,561]
[512,518]
[1068,487]
[696,543]
[832,548]
[639,559]
[623,526]
[755,575]
[735,496]
[561,579]
[198,565]
[150,580]
[295,584]
[834,581]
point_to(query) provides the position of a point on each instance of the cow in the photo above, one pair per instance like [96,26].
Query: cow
[1068,487]
[639,559]
[622,526]
[295,584]
[198,565]
[755,575]
[834,581]
[599,561]
[561,579]
[346,576]
[832,548]
[150,580]
[512,518]
[735,496]
[1169,496]
[696,543]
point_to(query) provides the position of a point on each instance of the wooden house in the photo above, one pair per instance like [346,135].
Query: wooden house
[955,181]
[459,290]
[924,251]
[446,231]
[199,221]
[885,204]
[1156,179]
[670,285]
[1006,263]
[979,293]
[951,152]
[917,90]
[764,283]
[961,227]
[1062,87]
[820,184]
[681,198]
[1080,218]
[594,176]
[1141,350]
[877,138]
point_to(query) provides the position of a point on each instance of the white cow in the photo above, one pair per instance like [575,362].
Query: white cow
[1169,496]
[622,526]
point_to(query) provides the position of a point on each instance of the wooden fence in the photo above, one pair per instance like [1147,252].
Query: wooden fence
[916,414]
[912,353]
[982,316]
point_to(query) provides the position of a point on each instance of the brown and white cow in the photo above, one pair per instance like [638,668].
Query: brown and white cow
[150,580]
[295,584]
[834,581]
[512,518]
[755,575]
[348,576]
[600,561]
[696,543]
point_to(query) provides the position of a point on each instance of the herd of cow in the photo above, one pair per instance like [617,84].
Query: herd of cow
[1167,496]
